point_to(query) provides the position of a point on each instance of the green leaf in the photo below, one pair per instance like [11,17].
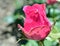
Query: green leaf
[39,1]
[31,43]
[55,32]
[47,43]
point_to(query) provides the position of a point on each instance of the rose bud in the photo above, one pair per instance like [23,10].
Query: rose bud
[36,24]
[51,1]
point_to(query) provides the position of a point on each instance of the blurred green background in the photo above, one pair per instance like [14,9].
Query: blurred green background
[11,14]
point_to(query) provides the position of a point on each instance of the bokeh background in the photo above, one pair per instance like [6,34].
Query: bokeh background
[11,14]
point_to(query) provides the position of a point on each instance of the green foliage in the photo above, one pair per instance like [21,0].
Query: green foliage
[47,43]
[31,43]
[39,1]
[19,3]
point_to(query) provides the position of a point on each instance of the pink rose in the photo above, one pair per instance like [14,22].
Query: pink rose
[51,1]
[36,24]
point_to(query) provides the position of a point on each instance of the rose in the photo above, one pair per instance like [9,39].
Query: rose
[51,1]
[36,24]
